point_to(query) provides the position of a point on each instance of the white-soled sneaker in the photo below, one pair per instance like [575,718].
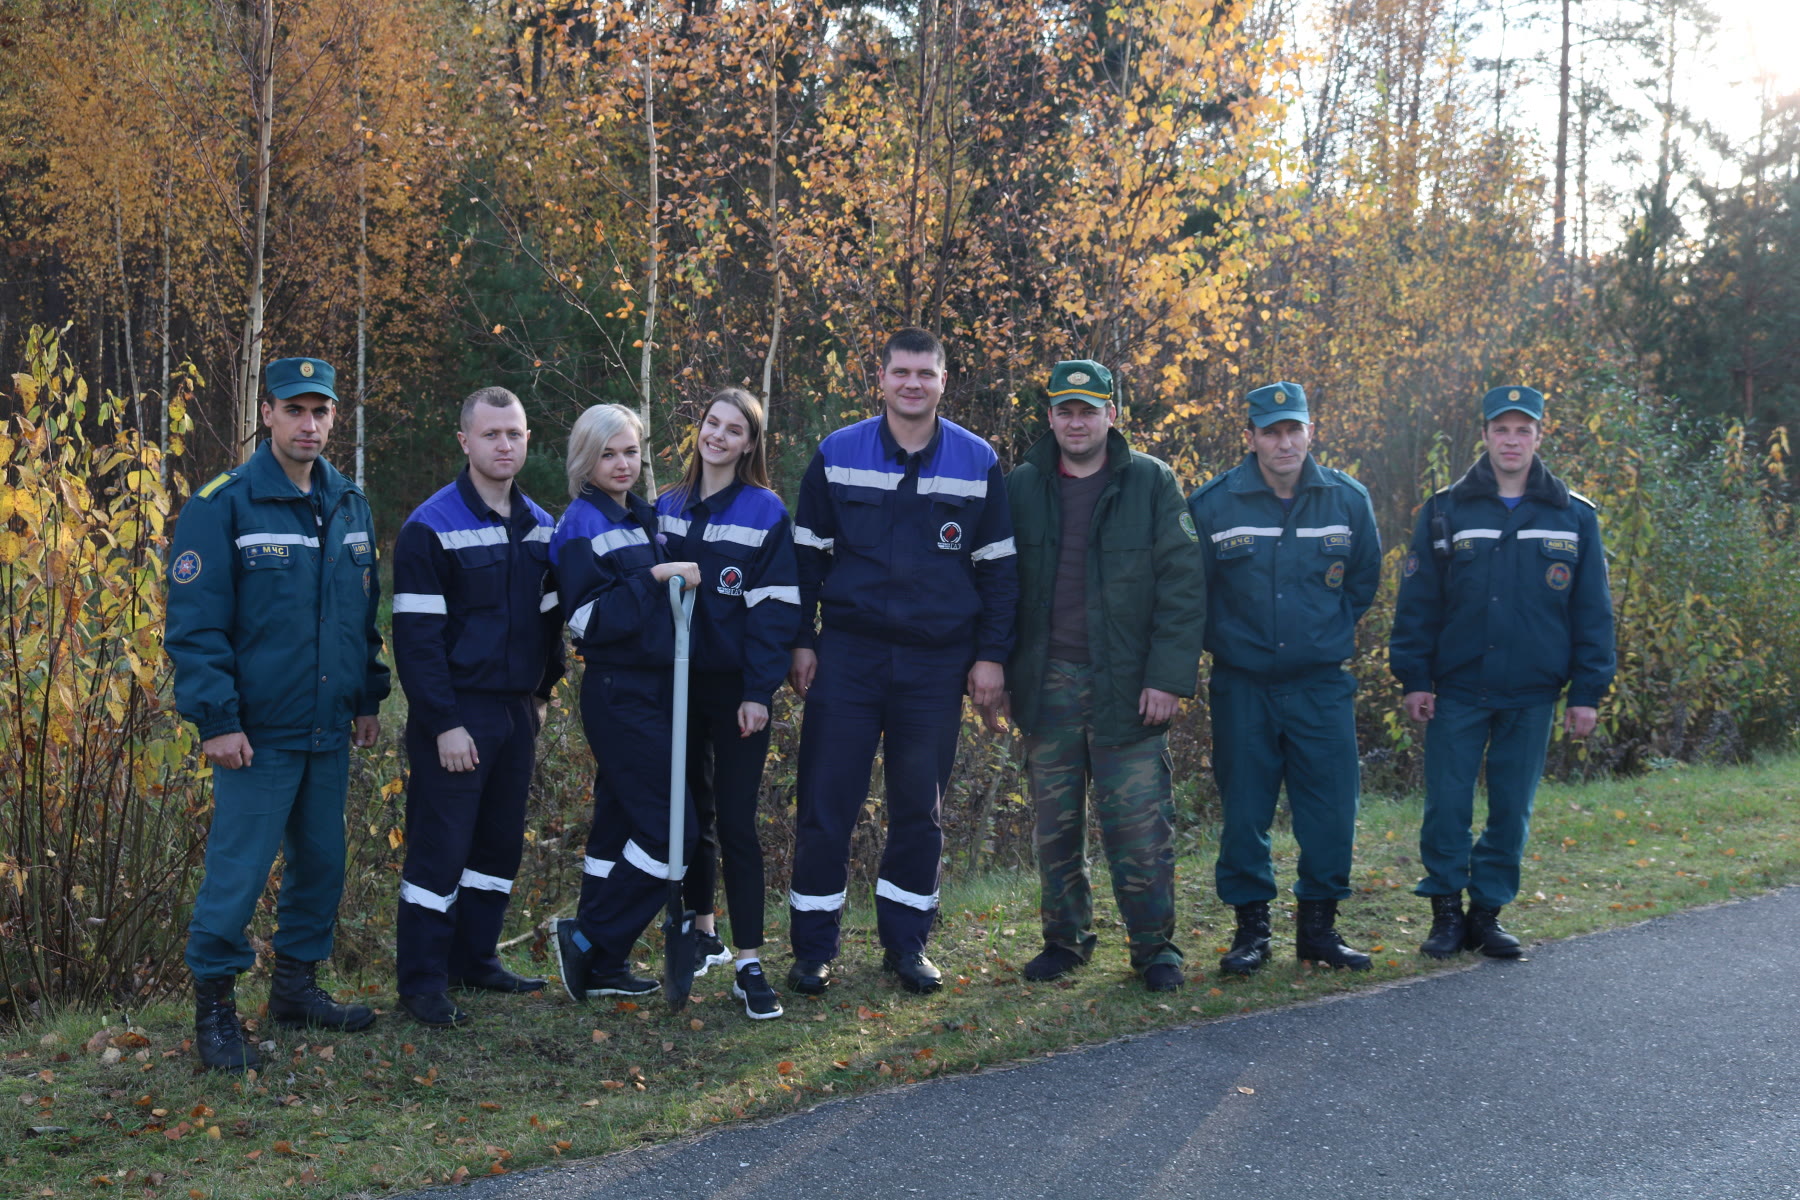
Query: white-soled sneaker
[709,952]
[752,987]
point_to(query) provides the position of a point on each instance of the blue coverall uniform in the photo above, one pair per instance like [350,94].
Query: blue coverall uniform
[746,617]
[477,641]
[908,559]
[623,629]
[1519,608]
[271,626]
[1284,590]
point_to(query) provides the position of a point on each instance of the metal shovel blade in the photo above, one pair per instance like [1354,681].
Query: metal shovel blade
[679,944]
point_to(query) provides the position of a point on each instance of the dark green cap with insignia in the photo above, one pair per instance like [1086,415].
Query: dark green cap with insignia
[1081,379]
[1513,398]
[1278,402]
[287,377]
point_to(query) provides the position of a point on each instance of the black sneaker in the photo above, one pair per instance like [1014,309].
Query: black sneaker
[618,981]
[1163,977]
[709,952]
[1053,963]
[572,962]
[752,987]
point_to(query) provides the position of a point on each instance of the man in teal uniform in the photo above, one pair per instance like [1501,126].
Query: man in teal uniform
[1112,605]
[271,626]
[1503,601]
[1292,563]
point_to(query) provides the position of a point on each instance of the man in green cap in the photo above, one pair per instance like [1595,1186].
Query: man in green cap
[271,626]
[1503,602]
[1292,563]
[1111,609]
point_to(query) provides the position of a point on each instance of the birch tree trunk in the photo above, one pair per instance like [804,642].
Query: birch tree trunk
[262,103]
[655,229]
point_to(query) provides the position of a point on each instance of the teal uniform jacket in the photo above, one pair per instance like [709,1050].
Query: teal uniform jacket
[272,600]
[1520,606]
[1284,590]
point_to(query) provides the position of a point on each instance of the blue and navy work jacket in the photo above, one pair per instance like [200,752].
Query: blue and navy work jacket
[1517,608]
[910,548]
[1285,587]
[748,611]
[272,601]
[475,605]
[602,553]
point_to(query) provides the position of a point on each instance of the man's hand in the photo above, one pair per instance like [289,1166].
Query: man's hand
[228,750]
[995,716]
[803,665]
[364,731]
[689,572]
[752,717]
[1420,706]
[1157,707]
[987,683]
[1580,720]
[456,750]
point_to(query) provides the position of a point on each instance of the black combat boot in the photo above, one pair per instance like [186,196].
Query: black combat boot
[1448,927]
[295,998]
[1250,946]
[1316,937]
[1484,934]
[218,1038]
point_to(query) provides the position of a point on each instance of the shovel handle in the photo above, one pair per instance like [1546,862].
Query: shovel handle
[681,601]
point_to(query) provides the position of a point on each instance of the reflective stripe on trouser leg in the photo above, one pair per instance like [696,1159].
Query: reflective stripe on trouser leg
[290,797]
[626,716]
[838,736]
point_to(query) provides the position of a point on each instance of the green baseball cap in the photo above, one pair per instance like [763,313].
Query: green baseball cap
[1512,398]
[287,377]
[1278,402]
[1081,379]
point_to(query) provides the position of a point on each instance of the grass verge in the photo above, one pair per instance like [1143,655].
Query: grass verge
[538,1078]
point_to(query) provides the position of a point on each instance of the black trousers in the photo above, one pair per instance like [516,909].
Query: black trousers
[725,776]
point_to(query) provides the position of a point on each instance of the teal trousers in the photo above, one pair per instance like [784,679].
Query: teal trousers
[1460,736]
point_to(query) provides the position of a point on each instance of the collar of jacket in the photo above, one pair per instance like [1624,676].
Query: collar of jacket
[893,451]
[1540,484]
[465,487]
[635,508]
[1046,455]
[269,482]
[1247,476]
[716,503]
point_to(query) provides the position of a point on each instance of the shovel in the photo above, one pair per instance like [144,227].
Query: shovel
[678,926]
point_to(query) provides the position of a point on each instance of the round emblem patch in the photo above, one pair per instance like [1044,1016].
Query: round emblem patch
[731,581]
[365,581]
[186,568]
[1558,576]
[950,536]
[1187,527]
[1334,577]
[1411,565]
[306,369]
[1079,377]
[1513,395]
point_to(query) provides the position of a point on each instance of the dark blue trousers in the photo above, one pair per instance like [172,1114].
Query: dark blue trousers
[625,876]
[465,834]
[725,775]
[907,700]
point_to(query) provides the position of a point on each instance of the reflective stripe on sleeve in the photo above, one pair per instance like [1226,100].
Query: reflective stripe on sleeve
[994,550]
[786,595]
[419,602]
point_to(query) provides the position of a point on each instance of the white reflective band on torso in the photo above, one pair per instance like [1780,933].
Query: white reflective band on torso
[743,535]
[994,550]
[1567,535]
[900,895]
[945,485]
[486,883]
[806,537]
[277,539]
[857,477]
[672,524]
[817,903]
[465,539]
[419,602]
[540,533]
[356,535]
[1247,531]
[1460,534]
[618,539]
[412,893]
[1321,531]
[550,601]
[787,595]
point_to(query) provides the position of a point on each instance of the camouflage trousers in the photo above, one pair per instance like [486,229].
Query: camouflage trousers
[1133,801]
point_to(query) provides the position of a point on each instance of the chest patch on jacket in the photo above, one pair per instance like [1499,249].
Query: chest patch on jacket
[1334,575]
[1558,576]
[950,536]
[731,581]
[257,551]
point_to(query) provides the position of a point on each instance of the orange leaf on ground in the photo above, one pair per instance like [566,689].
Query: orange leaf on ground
[784,1068]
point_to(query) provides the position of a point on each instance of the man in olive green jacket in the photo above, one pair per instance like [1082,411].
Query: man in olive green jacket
[1111,616]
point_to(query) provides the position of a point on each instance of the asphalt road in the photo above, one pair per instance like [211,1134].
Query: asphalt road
[1658,1061]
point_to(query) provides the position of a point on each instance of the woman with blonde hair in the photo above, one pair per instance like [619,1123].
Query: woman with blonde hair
[612,573]
[723,515]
